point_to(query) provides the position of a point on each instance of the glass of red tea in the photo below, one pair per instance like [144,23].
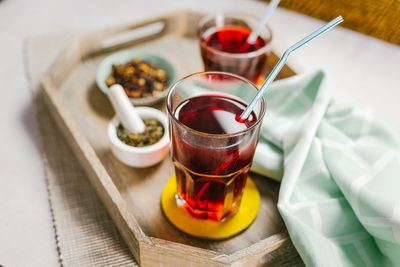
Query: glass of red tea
[224,46]
[212,149]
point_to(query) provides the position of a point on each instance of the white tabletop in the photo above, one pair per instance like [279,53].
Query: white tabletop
[360,69]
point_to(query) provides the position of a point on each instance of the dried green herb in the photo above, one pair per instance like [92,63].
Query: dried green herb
[151,135]
[139,78]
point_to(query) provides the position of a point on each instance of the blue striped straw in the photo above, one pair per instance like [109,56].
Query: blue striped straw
[282,62]
[270,9]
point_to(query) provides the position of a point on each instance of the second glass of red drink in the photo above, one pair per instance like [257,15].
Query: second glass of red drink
[212,150]
[224,46]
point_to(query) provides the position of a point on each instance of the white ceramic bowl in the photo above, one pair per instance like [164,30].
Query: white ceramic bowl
[140,157]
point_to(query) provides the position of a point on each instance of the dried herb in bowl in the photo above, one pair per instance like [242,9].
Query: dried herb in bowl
[153,133]
[139,78]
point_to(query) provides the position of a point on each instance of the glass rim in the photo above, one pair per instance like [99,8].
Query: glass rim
[196,74]
[255,53]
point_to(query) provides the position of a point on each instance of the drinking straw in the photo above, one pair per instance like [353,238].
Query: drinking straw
[254,34]
[282,62]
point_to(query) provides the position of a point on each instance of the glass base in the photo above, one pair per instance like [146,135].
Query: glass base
[205,215]
[208,229]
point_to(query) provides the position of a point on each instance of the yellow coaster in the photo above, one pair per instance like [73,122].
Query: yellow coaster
[211,229]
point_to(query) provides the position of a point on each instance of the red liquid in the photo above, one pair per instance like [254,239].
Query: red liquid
[232,39]
[211,177]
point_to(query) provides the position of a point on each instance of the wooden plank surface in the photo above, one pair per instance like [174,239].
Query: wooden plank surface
[376,18]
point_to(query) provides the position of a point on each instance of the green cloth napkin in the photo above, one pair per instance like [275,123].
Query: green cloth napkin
[340,173]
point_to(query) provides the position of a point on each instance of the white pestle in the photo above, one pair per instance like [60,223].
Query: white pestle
[125,110]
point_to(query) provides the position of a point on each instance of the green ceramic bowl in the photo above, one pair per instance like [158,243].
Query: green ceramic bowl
[127,55]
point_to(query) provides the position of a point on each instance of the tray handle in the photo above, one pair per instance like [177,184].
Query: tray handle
[133,35]
[118,38]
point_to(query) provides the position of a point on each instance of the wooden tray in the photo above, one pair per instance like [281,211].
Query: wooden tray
[132,196]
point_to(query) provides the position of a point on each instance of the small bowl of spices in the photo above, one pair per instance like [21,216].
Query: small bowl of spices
[140,149]
[144,76]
